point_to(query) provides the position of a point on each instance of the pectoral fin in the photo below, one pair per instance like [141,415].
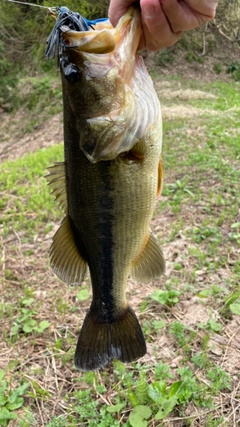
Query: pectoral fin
[150,263]
[65,258]
[56,179]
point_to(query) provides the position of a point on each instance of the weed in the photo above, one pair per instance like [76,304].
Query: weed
[10,400]
[168,298]
[215,422]
[231,304]
[201,360]
[206,232]
[211,326]
[235,234]
[25,323]
[234,69]
[164,57]
[178,330]
[217,68]
[152,327]
[57,422]
[27,419]
[83,294]
[219,378]
[162,371]
[138,416]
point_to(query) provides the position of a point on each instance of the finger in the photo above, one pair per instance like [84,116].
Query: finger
[157,31]
[204,7]
[186,15]
[117,9]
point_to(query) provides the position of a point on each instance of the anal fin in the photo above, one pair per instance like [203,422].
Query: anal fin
[65,259]
[99,342]
[150,263]
[57,180]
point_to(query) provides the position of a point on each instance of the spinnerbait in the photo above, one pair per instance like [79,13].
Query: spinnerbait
[73,20]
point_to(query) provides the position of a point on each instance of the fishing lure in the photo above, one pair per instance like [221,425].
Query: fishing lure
[73,20]
[55,46]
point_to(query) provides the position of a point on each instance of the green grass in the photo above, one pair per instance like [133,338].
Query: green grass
[189,317]
[26,201]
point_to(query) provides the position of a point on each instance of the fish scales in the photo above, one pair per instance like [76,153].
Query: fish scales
[111,177]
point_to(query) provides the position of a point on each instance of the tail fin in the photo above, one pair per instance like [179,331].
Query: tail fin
[98,343]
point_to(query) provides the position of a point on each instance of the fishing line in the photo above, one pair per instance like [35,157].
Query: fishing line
[64,17]
[30,4]
[57,9]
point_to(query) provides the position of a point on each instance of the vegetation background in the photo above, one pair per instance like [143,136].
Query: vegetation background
[190,375]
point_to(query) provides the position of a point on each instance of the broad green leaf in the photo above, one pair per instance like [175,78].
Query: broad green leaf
[15,329]
[23,388]
[175,388]
[116,408]
[83,294]
[157,391]
[235,225]
[235,308]
[158,324]
[166,297]
[159,296]
[232,298]
[29,325]
[138,415]
[165,408]
[204,293]
[214,326]
[44,324]
[13,396]
[5,414]
[27,301]
[16,404]
[3,400]
[3,386]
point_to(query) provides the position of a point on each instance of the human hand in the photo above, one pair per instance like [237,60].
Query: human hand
[164,21]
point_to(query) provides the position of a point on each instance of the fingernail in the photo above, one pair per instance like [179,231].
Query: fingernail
[149,11]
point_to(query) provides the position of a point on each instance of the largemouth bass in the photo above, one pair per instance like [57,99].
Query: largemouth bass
[108,184]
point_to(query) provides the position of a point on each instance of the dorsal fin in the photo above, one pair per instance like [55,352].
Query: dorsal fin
[57,181]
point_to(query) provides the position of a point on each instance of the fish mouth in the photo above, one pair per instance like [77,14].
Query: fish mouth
[104,38]
[100,45]
[92,41]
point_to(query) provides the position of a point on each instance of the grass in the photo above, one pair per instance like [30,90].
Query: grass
[25,197]
[191,373]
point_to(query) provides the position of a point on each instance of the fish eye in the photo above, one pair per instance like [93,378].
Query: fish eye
[72,73]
